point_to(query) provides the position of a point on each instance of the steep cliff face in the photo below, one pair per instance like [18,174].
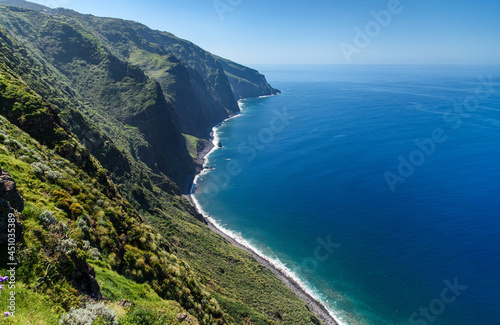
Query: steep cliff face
[79,93]
[199,101]
[111,92]
[152,81]
[202,87]
[246,82]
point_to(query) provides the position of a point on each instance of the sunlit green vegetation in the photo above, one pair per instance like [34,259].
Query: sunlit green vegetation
[89,133]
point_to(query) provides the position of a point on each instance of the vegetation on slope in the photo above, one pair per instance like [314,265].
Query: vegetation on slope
[88,112]
[68,219]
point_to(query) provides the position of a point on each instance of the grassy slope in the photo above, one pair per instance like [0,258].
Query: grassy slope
[96,224]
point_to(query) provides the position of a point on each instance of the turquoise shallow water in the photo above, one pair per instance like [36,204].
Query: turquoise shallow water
[378,186]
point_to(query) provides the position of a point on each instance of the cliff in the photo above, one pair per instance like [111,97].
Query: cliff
[95,113]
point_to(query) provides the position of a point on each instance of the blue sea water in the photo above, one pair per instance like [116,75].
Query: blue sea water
[377,186]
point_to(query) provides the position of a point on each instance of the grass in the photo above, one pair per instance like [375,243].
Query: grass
[97,96]
[192,145]
[116,287]
[243,287]
[30,307]
[100,220]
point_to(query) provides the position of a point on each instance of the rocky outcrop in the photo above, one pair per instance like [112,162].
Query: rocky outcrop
[246,82]
[139,88]
[184,318]
[11,203]
[83,279]
[202,87]
[8,191]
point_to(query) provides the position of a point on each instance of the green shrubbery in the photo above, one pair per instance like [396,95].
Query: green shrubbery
[139,315]
[92,225]
[74,212]
[43,171]
[97,313]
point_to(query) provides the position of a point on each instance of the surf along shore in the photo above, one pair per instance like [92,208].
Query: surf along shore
[278,269]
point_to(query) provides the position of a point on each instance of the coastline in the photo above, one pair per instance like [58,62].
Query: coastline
[281,272]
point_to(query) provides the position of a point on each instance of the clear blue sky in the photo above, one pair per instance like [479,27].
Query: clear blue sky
[320,31]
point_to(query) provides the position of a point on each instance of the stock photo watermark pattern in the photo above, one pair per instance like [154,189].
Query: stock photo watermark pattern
[248,151]
[363,37]
[322,252]
[9,282]
[222,7]
[427,147]
[437,306]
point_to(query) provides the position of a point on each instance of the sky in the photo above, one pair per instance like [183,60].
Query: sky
[255,32]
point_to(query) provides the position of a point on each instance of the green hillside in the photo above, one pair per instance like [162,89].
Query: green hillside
[95,113]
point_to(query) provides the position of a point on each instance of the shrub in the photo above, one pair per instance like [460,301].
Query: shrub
[139,315]
[75,189]
[50,222]
[59,228]
[40,168]
[89,314]
[17,144]
[65,203]
[83,224]
[61,194]
[70,171]
[53,175]
[66,246]
[75,209]
[92,251]
[58,163]
[86,245]
[47,219]
[27,159]
[64,200]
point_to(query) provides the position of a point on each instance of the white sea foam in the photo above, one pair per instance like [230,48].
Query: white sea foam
[274,261]
[237,237]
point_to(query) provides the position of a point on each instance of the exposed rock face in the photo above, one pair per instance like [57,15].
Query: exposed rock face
[10,201]
[246,82]
[138,89]
[83,279]
[183,317]
[8,191]
[124,303]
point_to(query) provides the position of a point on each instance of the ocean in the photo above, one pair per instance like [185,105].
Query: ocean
[376,187]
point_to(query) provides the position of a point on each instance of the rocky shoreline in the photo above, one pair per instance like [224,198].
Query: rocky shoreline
[317,307]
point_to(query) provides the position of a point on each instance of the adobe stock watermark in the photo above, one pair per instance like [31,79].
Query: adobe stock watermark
[437,307]
[10,281]
[224,6]
[324,249]
[248,150]
[372,29]
[427,147]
